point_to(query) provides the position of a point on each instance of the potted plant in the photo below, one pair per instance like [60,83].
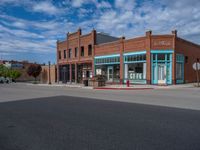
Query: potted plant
[99,80]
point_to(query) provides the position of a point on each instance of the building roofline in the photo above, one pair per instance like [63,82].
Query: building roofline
[107,43]
[189,42]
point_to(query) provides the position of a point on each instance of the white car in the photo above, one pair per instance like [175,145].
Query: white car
[5,80]
[2,79]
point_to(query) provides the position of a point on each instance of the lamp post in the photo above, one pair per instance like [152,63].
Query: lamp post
[49,72]
[197,69]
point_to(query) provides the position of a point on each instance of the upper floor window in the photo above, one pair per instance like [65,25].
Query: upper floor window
[70,53]
[82,50]
[76,51]
[64,53]
[89,50]
[59,54]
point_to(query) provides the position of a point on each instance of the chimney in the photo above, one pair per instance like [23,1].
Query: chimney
[123,37]
[79,31]
[148,33]
[67,36]
[94,36]
[174,32]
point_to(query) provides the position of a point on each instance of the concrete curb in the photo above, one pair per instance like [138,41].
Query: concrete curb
[123,88]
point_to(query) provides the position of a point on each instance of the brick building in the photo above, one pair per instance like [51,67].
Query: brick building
[151,59]
[47,77]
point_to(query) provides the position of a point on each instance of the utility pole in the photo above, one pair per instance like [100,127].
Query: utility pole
[49,72]
[197,71]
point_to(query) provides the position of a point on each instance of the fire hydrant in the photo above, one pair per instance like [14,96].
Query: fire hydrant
[127,83]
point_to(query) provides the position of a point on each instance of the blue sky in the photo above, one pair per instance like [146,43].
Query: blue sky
[29,29]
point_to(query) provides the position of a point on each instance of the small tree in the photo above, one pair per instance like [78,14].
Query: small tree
[4,71]
[7,72]
[34,70]
[14,74]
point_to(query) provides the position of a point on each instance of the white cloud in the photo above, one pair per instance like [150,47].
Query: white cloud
[124,17]
[46,7]
[125,4]
[77,3]
[103,4]
[3,2]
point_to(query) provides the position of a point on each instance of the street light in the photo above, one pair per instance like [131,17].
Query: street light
[49,73]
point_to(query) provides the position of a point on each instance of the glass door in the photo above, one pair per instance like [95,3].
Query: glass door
[110,74]
[161,74]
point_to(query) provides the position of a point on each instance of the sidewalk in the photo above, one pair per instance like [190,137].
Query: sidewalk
[70,85]
[143,87]
[119,87]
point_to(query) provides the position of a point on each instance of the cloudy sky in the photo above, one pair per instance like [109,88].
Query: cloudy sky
[29,28]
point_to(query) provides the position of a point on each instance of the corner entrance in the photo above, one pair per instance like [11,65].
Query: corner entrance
[161,74]
[110,74]
[161,65]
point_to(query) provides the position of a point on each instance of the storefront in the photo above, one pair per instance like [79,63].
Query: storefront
[109,66]
[135,67]
[64,75]
[84,71]
[161,66]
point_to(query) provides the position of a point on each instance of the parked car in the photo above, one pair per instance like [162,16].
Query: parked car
[8,80]
[5,80]
[2,79]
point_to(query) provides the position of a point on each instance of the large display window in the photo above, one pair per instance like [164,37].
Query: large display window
[111,72]
[135,67]
[109,66]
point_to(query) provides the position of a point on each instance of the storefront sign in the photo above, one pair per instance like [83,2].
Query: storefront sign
[131,75]
[162,43]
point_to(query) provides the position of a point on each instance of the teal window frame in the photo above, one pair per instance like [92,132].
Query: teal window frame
[154,64]
[133,58]
[180,58]
[107,59]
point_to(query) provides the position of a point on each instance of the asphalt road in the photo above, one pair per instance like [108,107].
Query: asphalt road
[187,98]
[72,123]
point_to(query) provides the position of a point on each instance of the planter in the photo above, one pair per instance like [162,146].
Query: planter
[98,83]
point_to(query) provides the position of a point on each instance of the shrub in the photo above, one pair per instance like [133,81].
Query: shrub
[6,72]
[14,74]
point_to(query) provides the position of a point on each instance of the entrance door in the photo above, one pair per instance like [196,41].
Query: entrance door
[161,74]
[110,74]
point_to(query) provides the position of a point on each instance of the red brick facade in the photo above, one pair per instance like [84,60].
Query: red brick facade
[121,46]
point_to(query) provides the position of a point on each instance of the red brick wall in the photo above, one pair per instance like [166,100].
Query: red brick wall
[44,77]
[61,46]
[192,51]
[108,48]
[135,44]
[75,40]
[86,40]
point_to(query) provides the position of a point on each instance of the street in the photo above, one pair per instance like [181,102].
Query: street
[66,122]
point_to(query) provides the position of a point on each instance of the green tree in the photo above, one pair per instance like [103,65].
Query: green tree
[4,71]
[14,74]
